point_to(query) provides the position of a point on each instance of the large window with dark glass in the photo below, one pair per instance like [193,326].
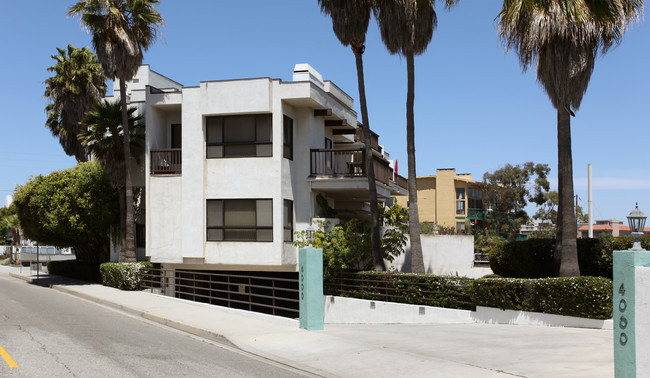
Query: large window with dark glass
[239,136]
[475,198]
[240,220]
[288,220]
[287,138]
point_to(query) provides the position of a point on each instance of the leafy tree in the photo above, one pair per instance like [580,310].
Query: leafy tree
[509,190]
[10,228]
[70,208]
[347,246]
[406,29]
[564,37]
[78,84]
[104,139]
[350,19]
[121,30]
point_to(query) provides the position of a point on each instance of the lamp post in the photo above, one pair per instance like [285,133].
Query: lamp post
[311,231]
[636,220]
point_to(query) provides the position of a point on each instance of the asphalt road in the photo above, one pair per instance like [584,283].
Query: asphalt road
[52,334]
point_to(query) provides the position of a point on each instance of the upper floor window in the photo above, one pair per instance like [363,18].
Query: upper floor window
[460,193]
[287,138]
[460,207]
[239,220]
[239,136]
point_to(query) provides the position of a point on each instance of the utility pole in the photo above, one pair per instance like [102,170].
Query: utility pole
[591,204]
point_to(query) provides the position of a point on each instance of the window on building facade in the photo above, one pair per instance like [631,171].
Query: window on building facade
[460,226]
[475,198]
[239,220]
[239,136]
[460,193]
[287,138]
[288,221]
[460,207]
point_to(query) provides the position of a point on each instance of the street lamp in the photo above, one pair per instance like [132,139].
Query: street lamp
[636,220]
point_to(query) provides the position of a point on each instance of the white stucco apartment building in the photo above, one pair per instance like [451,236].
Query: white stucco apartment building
[232,168]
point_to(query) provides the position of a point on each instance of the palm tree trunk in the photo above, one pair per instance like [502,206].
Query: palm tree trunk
[417,261]
[127,250]
[375,237]
[566,249]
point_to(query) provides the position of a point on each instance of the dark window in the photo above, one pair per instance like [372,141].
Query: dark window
[287,138]
[239,136]
[288,220]
[460,193]
[240,220]
[177,141]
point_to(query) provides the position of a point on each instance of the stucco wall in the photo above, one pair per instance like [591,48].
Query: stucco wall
[642,315]
[443,255]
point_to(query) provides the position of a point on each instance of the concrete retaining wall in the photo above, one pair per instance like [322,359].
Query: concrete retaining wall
[445,255]
[340,310]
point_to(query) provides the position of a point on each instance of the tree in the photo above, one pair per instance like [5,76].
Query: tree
[406,29]
[104,139]
[10,226]
[509,189]
[70,208]
[120,30]
[350,19]
[564,37]
[77,85]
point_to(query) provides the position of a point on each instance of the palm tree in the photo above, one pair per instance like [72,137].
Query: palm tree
[77,85]
[350,20]
[104,140]
[564,37]
[121,30]
[406,29]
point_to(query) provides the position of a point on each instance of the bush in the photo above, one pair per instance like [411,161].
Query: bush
[533,258]
[124,276]
[79,270]
[418,289]
[586,297]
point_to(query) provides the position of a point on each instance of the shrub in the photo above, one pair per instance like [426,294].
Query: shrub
[124,276]
[533,258]
[76,269]
[587,297]
[419,289]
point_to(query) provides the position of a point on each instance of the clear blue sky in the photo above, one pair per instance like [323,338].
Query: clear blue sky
[475,109]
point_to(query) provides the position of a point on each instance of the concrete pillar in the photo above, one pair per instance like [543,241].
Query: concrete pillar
[310,262]
[631,318]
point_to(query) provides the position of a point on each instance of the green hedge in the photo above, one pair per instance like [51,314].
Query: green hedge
[83,271]
[420,289]
[586,297]
[124,276]
[533,258]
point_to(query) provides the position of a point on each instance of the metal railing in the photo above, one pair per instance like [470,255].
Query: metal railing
[166,161]
[450,292]
[328,162]
[274,293]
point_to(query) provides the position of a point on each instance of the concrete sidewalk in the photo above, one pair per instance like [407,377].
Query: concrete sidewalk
[364,350]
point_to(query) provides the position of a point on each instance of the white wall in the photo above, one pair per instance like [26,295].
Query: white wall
[443,255]
[642,320]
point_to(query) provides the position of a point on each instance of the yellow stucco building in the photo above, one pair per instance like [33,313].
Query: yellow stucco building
[449,199]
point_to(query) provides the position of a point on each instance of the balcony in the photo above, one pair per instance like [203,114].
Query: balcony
[166,161]
[332,163]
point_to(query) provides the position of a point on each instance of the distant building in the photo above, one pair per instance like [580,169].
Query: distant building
[449,199]
[613,227]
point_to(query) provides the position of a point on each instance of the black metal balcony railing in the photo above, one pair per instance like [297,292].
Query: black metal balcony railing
[166,161]
[327,162]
